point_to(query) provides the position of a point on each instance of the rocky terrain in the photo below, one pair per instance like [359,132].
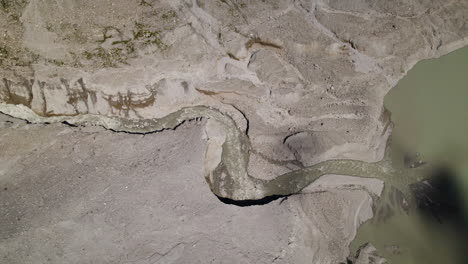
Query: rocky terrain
[297,82]
[87,195]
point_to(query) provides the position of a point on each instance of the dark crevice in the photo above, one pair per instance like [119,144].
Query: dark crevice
[252,58]
[245,203]
[65,122]
[290,135]
[247,123]
[149,132]
[69,124]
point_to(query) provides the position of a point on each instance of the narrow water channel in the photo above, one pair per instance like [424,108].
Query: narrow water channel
[429,108]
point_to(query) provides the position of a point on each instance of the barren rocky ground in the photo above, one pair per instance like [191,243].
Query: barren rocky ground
[283,86]
[87,195]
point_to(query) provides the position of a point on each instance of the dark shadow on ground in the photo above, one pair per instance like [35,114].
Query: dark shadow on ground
[244,203]
[440,200]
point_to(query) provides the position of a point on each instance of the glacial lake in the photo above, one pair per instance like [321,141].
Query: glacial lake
[429,109]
